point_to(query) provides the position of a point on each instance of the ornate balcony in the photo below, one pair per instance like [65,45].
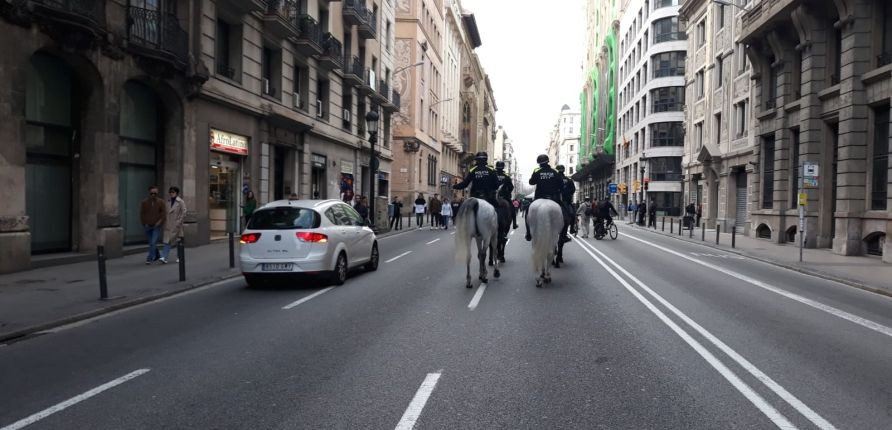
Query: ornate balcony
[386,94]
[158,36]
[353,71]
[76,23]
[277,18]
[355,12]
[395,100]
[309,35]
[369,82]
[332,56]
[245,6]
[380,93]
[369,28]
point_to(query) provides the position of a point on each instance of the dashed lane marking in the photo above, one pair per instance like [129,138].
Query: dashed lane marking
[432,241]
[399,256]
[74,400]
[307,298]
[413,412]
[477,296]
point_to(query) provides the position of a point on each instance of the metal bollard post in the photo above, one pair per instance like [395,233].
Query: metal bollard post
[680,226]
[103,283]
[231,250]
[671,225]
[182,257]
[663,227]
[718,229]
[733,236]
[691,233]
[703,232]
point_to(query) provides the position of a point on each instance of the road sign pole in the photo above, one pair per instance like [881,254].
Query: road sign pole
[801,209]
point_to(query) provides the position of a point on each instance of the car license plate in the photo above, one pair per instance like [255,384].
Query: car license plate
[276,267]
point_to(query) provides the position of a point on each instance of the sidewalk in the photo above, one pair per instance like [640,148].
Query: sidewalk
[868,273]
[47,297]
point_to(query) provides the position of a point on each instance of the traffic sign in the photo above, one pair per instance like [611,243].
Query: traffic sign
[636,186]
[803,199]
[611,188]
[810,170]
[810,182]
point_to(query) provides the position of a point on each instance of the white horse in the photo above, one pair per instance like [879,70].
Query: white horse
[476,219]
[546,221]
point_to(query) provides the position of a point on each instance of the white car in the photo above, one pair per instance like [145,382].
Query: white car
[306,236]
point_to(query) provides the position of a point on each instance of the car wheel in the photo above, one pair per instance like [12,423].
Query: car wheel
[372,265]
[339,275]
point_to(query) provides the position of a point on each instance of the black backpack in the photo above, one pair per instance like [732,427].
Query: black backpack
[588,211]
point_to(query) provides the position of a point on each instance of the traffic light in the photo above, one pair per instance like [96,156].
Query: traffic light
[646,183]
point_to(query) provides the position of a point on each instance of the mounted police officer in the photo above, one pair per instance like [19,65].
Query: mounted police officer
[506,188]
[483,180]
[568,190]
[548,186]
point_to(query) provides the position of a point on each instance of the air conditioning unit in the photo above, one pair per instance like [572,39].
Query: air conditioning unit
[346,115]
[297,102]
[319,112]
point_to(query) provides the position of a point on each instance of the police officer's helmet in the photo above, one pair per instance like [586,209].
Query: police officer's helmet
[500,165]
[481,156]
[560,167]
[542,159]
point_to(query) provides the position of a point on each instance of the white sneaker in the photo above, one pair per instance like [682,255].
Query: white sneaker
[163,260]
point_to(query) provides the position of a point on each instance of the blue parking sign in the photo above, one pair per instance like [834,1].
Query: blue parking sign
[611,188]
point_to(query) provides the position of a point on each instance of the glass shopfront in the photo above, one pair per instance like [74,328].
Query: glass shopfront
[225,184]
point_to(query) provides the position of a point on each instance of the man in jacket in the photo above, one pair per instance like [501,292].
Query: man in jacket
[152,212]
[396,220]
[173,225]
[436,207]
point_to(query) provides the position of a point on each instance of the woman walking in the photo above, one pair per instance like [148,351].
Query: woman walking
[173,227]
[446,213]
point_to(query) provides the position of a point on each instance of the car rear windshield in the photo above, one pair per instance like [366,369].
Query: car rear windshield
[284,218]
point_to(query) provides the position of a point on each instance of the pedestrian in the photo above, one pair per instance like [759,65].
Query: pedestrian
[396,220]
[516,204]
[699,212]
[173,226]
[446,213]
[436,207]
[689,213]
[152,212]
[652,215]
[249,207]
[633,212]
[455,205]
[420,208]
[642,214]
[585,211]
[362,207]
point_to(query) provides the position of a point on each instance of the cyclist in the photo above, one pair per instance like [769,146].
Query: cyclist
[483,180]
[602,216]
[548,186]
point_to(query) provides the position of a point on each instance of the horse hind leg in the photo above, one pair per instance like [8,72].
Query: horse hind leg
[481,256]
[496,273]
[468,272]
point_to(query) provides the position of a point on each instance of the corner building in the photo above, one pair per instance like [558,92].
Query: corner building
[822,82]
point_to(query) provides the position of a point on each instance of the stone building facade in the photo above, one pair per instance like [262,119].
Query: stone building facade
[217,97]
[719,143]
[822,75]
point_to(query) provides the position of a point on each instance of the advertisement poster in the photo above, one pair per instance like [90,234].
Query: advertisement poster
[346,187]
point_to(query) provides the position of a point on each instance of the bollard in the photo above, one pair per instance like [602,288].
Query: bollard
[691,233]
[181,255]
[702,232]
[718,229]
[671,225]
[733,236]
[680,226]
[663,227]
[231,250]
[103,284]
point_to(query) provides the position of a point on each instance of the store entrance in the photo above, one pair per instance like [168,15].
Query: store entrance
[223,196]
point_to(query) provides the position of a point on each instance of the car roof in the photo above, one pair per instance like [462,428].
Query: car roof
[315,204]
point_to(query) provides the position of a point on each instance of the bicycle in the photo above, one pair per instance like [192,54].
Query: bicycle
[602,230]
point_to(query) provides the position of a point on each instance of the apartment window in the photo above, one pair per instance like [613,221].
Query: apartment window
[718,128]
[698,130]
[699,85]
[228,50]
[668,64]
[740,113]
[665,168]
[664,3]
[347,110]
[421,115]
[571,148]
[836,58]
[301,86]
[388,28]
[768,172]
[740,55]
[771,94]
[322,98]
[666,134]
[667,99]
[880,176]
[668,29]
[885,56]
[719,68]
[701,33]
[794,167]
[271,71]
[720,17]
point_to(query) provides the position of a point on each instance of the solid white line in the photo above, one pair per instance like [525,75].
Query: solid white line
[74,400]
[432,241]
[452,234]
[413,412]
[307,298]
[398,256]
[776,417]
[788,397]
[477,296]
[512,232]
[806,301]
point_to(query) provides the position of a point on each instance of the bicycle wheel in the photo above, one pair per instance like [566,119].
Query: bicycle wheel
[612,231]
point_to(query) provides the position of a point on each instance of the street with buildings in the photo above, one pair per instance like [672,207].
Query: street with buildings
[132,127]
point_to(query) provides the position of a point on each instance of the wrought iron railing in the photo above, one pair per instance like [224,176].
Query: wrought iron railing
[93,10]
[770,104]
[159,31]
[358,7]
[884,58]
[395,99]
[284,8]
[225,70]
[834,79]
[384,89]
[354,67]
[332,48]
[309,28]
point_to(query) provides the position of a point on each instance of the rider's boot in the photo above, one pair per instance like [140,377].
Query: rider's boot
[526,223]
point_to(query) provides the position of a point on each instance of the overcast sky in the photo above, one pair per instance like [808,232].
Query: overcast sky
[532,51]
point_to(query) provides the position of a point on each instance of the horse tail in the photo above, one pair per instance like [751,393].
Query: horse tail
[542,229]
[465,220]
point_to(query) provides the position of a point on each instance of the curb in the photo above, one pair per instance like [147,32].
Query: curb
[27,331]
[816,273]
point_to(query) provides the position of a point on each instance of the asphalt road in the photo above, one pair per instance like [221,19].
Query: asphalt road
[642,332]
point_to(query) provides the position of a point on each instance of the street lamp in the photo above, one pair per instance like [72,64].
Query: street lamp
[397,71]
[643,159]
[371,120]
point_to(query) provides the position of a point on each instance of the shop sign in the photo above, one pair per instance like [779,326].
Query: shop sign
[228,142]
[347,167]
[318,161]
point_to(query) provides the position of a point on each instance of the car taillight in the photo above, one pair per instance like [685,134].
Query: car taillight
[250,237]
[306,236]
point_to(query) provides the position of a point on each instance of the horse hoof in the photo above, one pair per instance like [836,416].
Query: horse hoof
[484,280]
[490,263]
[538,283]
[547,280]
[469,285]
[497,274]
[502,260]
